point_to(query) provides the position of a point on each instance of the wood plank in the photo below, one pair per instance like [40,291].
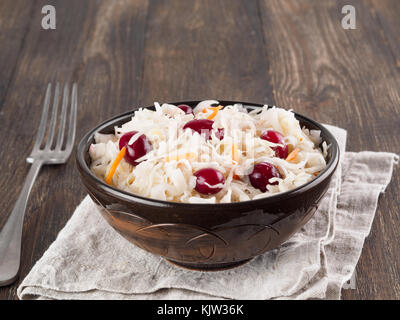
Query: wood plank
[99,45]
[14,22]
[387,14]
[346,78]
[204,50]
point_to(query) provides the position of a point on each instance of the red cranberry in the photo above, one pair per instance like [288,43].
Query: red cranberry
[210,176]
[204,127]
[136,150]
[220,133]
[276,137]
[261,174]
[185,108]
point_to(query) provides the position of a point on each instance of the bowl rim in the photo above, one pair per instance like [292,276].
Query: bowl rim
[127,196]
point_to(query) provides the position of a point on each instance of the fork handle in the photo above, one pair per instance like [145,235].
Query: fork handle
[11,234]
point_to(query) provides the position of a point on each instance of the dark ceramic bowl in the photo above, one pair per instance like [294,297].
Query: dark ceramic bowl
[206,236]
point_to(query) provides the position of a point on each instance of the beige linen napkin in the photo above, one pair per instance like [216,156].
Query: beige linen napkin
[89,260]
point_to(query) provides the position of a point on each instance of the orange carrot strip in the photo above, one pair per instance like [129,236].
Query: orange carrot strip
[215,111]
[235,153]
[293,155]
[213,114]
[115,164]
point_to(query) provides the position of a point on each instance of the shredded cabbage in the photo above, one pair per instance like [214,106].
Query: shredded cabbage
[166,172]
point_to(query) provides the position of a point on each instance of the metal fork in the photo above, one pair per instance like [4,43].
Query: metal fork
[11,234]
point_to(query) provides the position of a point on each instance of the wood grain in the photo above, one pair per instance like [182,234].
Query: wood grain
[197,50]
[386,14]
[14,27]
[124,53]
[99,45]
[346,78]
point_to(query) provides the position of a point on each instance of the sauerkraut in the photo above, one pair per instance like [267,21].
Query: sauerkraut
[167,171]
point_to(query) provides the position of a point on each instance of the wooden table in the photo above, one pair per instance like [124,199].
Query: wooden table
[128,53]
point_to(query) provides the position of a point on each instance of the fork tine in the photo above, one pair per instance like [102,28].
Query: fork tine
[53,120]
[60,137]
[43,119]
[72,120]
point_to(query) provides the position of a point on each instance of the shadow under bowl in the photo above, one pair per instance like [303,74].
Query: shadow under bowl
[206,236]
